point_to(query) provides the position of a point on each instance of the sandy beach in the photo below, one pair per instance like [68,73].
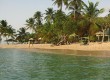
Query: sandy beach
[75,46]
[93,49]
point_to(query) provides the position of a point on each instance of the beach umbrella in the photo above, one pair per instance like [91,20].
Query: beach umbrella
[31,39]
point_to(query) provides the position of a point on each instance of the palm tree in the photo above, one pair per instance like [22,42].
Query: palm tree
[49,15]
[21,36]
[3,28]
[6,30]
[10,33]
[30,24]
[59,3]
[91,12]
[38,18]
[75,6]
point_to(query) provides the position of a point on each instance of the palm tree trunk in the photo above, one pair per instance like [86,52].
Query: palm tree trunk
[61,8]
[103,36]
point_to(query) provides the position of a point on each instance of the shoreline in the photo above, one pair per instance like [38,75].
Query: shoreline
[75,46]
[93,49]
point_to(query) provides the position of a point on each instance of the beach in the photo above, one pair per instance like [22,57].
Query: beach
[76,46]
[93,49]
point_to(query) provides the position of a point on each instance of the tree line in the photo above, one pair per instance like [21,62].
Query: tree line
[57,27]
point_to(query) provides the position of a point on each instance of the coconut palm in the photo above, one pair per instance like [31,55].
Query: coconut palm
[10,33]
[91,12]
[60,3]
[38,18]
[49,15]
[6,30]
[3,26]
[75,6]
[22,34]
[30,24]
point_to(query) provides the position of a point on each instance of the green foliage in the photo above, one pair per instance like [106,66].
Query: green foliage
[6,30]
[57,26]
[93,29]
[92,38]
[91,11]
[60,3]
[22,35]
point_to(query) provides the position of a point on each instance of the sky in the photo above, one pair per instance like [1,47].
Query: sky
[16,12]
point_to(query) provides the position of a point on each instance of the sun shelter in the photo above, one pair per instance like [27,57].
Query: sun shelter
[100,34]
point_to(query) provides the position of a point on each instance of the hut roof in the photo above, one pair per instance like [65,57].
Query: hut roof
[99,33]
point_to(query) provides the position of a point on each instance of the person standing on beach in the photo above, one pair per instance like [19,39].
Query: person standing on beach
[31,41]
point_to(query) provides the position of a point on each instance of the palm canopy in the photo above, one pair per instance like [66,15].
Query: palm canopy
[6,30]
[75,6]
[10,31]
[38,19]
[38,16]
[22,35]
[91,10]
[3,26]
[49,15]
[4,23]
[30,24]
[60,3]
[22,31]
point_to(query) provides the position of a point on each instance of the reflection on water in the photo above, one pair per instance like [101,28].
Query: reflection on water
[23,65]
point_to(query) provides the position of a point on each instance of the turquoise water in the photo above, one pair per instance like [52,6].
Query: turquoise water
[18,64]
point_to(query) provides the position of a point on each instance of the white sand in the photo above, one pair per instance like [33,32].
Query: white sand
[76,46]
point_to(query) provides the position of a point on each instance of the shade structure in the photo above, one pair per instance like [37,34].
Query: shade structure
[31,39]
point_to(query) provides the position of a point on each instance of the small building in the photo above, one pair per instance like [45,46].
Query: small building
[100,35]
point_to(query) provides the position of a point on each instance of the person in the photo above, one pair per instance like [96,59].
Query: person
[31,41]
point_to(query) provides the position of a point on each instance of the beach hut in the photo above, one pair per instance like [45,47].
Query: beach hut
[100,34]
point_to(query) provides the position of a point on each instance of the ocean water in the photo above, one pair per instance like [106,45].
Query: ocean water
[16,64]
